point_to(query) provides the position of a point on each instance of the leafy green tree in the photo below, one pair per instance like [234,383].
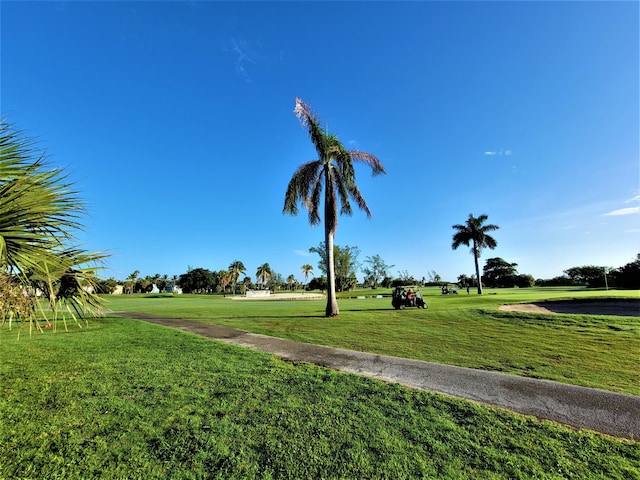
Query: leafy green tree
[39,211]
[263,273]
[375,270]
[497,272]
[318,283]
[307,270]
[628,276]
[197,280]
[589,275]
[276,281]
[346,264]
[236,268]
[524,281]
[334,172]
[560,281]
[248,284]
[291,281]
[473,232]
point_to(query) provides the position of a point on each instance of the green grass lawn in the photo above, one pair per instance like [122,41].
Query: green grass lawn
[465,330]
[125,399]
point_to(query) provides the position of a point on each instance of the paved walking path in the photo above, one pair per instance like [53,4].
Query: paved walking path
[580,407]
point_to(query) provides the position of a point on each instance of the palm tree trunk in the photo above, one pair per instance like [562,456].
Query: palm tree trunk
[332,303]
[475,259]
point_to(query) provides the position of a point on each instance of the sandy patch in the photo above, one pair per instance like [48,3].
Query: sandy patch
[284,296]
[612,307]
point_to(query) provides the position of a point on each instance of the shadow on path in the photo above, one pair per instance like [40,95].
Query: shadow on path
[611,413]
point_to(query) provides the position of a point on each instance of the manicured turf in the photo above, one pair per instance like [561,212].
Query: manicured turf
[469,331]
[124,399]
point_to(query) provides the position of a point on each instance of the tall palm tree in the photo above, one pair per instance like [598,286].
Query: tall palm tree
[236,268]
[475,233]
[306,269]
[263,273]
[333,171]
[39,210]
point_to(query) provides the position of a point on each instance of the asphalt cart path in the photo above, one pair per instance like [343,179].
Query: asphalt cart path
[579,407]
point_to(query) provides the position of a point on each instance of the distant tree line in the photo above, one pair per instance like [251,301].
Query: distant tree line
[497,273]
[624,277]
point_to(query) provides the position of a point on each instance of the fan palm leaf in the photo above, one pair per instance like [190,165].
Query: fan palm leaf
[39,211]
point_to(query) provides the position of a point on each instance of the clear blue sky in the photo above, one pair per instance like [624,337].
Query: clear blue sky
[176,121]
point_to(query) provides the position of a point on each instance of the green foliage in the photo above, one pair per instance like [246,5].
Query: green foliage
[318,283]
[39,210]
[375,270]
[197,280]
[127,399]
[497,272]
[560,281]
[236,269]
[588,276]
[475,233]
[306,270]
[346,264]
[263,273]
[628,276]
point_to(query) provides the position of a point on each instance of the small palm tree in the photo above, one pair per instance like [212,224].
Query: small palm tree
[39,210]
[475,233]
[236,268]
[131,281]
[263,273]
[333,171]
[291,279]
[225,277]
[307,270]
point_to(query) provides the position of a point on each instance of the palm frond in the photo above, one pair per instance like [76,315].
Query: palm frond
[301,183]
[341,185]
[354,192]
[39,210]
[377,168]
[312,203]
[310,120]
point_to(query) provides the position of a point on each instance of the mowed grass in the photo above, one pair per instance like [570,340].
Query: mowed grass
[125,399]
[464,330]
